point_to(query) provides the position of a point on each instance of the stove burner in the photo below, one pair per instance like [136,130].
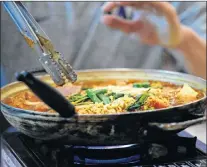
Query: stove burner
[171,151]
[167,149]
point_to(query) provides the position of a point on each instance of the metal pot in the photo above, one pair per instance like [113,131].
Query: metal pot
[109,129]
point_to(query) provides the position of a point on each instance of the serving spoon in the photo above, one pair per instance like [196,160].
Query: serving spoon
[47,94]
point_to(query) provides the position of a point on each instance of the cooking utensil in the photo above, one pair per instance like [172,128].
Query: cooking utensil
[55,65]
[47,94]
[109,129]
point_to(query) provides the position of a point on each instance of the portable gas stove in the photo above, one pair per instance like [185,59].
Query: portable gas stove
[180,150]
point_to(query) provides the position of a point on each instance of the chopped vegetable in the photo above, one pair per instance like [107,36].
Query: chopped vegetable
[158,104]
[92,95]
[81,100]
[143,98]
[78,98]
[187,94]
[140,102]
[104,98]
[118,95]
[85,103]
[114,96]
[141,85]
[100,91]
[75,97]
[85,88]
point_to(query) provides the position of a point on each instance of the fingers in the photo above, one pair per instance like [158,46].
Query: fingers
[163,8]
[145,31]
[122,24]
[109,6]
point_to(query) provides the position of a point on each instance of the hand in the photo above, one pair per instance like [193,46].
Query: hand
[144,29]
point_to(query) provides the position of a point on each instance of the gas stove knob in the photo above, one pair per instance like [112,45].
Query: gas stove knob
[157,151]
[145,132]
[181,149]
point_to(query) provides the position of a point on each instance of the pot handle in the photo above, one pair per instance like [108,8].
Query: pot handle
[47,94]
[177,125]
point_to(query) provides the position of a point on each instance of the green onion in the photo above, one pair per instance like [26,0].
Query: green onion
[140,102]
[84,103]
[92,95]
[75,97]
[81,100]
[100,91]
[104,98]
[118,95]
[85,88]
[143,98]
[141,85]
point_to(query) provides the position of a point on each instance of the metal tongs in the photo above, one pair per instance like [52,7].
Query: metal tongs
[52,61]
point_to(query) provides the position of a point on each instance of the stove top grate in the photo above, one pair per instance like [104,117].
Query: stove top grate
[173,148]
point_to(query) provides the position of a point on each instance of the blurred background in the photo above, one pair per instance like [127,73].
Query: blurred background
[76,31]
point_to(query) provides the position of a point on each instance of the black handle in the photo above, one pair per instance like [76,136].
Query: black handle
[47,94]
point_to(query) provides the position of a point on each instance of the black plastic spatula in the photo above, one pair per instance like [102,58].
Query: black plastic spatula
[47,94]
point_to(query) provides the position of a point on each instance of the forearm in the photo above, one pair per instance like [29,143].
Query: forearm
[194,50]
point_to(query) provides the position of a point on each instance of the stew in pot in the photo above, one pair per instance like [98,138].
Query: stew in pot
[112,96]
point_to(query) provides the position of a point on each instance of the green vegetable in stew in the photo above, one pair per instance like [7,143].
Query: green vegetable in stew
[141,85]
[104,98]
[140,102]
[92,95]
[100,91]
[78,98]
[118,95]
